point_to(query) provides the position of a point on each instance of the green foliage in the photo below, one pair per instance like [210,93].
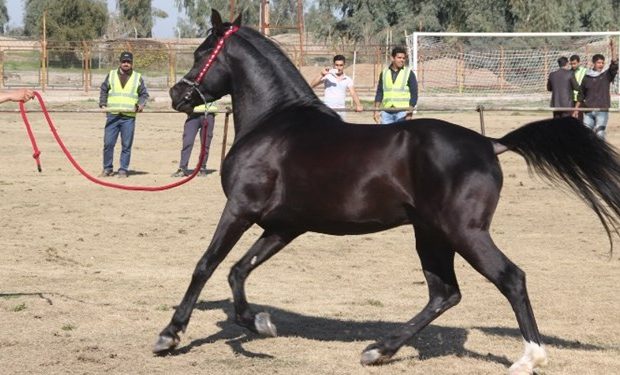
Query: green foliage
[66,20]
[136,17]
[366,20]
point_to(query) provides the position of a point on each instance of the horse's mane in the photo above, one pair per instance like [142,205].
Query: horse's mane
[271,50]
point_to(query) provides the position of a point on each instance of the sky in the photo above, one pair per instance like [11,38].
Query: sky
[163,28]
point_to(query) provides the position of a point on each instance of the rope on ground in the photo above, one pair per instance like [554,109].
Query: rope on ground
[37,153]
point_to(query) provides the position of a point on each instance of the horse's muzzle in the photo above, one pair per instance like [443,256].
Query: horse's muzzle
[181,97]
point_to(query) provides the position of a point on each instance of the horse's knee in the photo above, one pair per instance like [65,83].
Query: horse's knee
[233,276]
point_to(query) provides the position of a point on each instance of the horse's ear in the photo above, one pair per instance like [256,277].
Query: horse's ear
[216,21]
[237,21]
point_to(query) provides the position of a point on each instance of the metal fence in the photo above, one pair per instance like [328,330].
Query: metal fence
[84,65]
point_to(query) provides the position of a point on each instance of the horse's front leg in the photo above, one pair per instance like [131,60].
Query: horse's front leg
[264,248]
[229,229]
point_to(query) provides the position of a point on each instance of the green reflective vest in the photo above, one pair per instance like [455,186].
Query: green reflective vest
[123,99]
[210,107]
[396,94]
[580,72]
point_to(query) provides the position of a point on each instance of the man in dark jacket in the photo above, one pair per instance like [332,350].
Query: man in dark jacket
[595,92]
[561,83]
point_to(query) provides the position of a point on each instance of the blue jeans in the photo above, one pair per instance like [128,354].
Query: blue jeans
[114,125]
[597,122]
[392,117]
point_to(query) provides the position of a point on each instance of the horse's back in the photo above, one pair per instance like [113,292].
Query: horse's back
[342,178]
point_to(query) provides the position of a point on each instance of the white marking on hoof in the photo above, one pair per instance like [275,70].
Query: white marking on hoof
[533,357]
[262,322]
[164,344]
[371,357]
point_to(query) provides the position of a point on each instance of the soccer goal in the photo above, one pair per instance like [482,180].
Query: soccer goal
[505,69]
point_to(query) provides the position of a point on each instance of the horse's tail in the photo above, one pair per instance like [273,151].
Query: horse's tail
[565,150]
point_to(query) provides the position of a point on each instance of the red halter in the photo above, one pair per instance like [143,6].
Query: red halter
[218,48]
[216,51]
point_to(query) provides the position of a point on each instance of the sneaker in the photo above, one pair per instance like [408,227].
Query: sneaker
[122,173]
[107,173]
[180,173]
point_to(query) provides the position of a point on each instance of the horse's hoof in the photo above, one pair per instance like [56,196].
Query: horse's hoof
[520,369]
[262,322]
[371,357]
[165,344]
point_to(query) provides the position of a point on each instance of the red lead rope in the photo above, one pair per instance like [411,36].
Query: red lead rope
[203,139]
[37,153]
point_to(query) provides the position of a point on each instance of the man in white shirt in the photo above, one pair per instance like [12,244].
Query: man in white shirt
[336,85]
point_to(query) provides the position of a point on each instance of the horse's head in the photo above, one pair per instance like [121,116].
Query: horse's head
[198,86]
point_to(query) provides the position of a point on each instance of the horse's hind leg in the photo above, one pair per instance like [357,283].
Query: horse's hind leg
[479,250]
[264,248]
[437,258]
[228,231]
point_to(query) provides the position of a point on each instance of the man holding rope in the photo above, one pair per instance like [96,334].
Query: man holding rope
[123,94]
[21,95]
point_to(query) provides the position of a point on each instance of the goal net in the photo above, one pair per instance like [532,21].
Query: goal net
[498,69]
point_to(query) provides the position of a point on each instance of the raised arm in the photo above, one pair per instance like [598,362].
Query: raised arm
[317,80]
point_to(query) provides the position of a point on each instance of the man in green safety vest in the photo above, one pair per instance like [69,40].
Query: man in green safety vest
[397,88]
[123,94]
[195,122]
[579,71]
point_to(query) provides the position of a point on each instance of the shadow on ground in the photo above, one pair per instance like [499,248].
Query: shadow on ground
[433,341]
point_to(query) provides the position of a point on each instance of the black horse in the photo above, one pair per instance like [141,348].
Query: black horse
[296,167]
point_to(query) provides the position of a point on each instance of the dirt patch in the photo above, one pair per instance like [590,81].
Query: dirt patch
[89,275]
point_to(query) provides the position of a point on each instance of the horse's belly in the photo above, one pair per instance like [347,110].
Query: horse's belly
[339,219]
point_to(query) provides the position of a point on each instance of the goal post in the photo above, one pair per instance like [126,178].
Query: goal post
[500,68]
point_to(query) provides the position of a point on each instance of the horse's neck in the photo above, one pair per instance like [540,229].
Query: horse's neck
[262,88]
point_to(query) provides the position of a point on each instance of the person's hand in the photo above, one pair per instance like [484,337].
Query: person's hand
[575,114]
[375,116]
[21,95]
[325,71]
[359,108]
[139,107]
[409,114]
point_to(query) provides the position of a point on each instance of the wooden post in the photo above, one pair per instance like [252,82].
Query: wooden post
[300,27]
[1,68]
[86,62]
[231,5]
[460,69]
[43,75]
[171,66]
[546,69]
[480,109]
[264,21]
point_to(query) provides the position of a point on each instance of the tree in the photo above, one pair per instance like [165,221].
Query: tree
[4,16]
[136,17]
[66,20]
[196,22]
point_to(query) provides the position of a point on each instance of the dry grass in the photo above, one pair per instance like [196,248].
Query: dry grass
[89,275]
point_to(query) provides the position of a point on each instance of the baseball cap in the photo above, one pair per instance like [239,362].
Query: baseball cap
[126,56]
